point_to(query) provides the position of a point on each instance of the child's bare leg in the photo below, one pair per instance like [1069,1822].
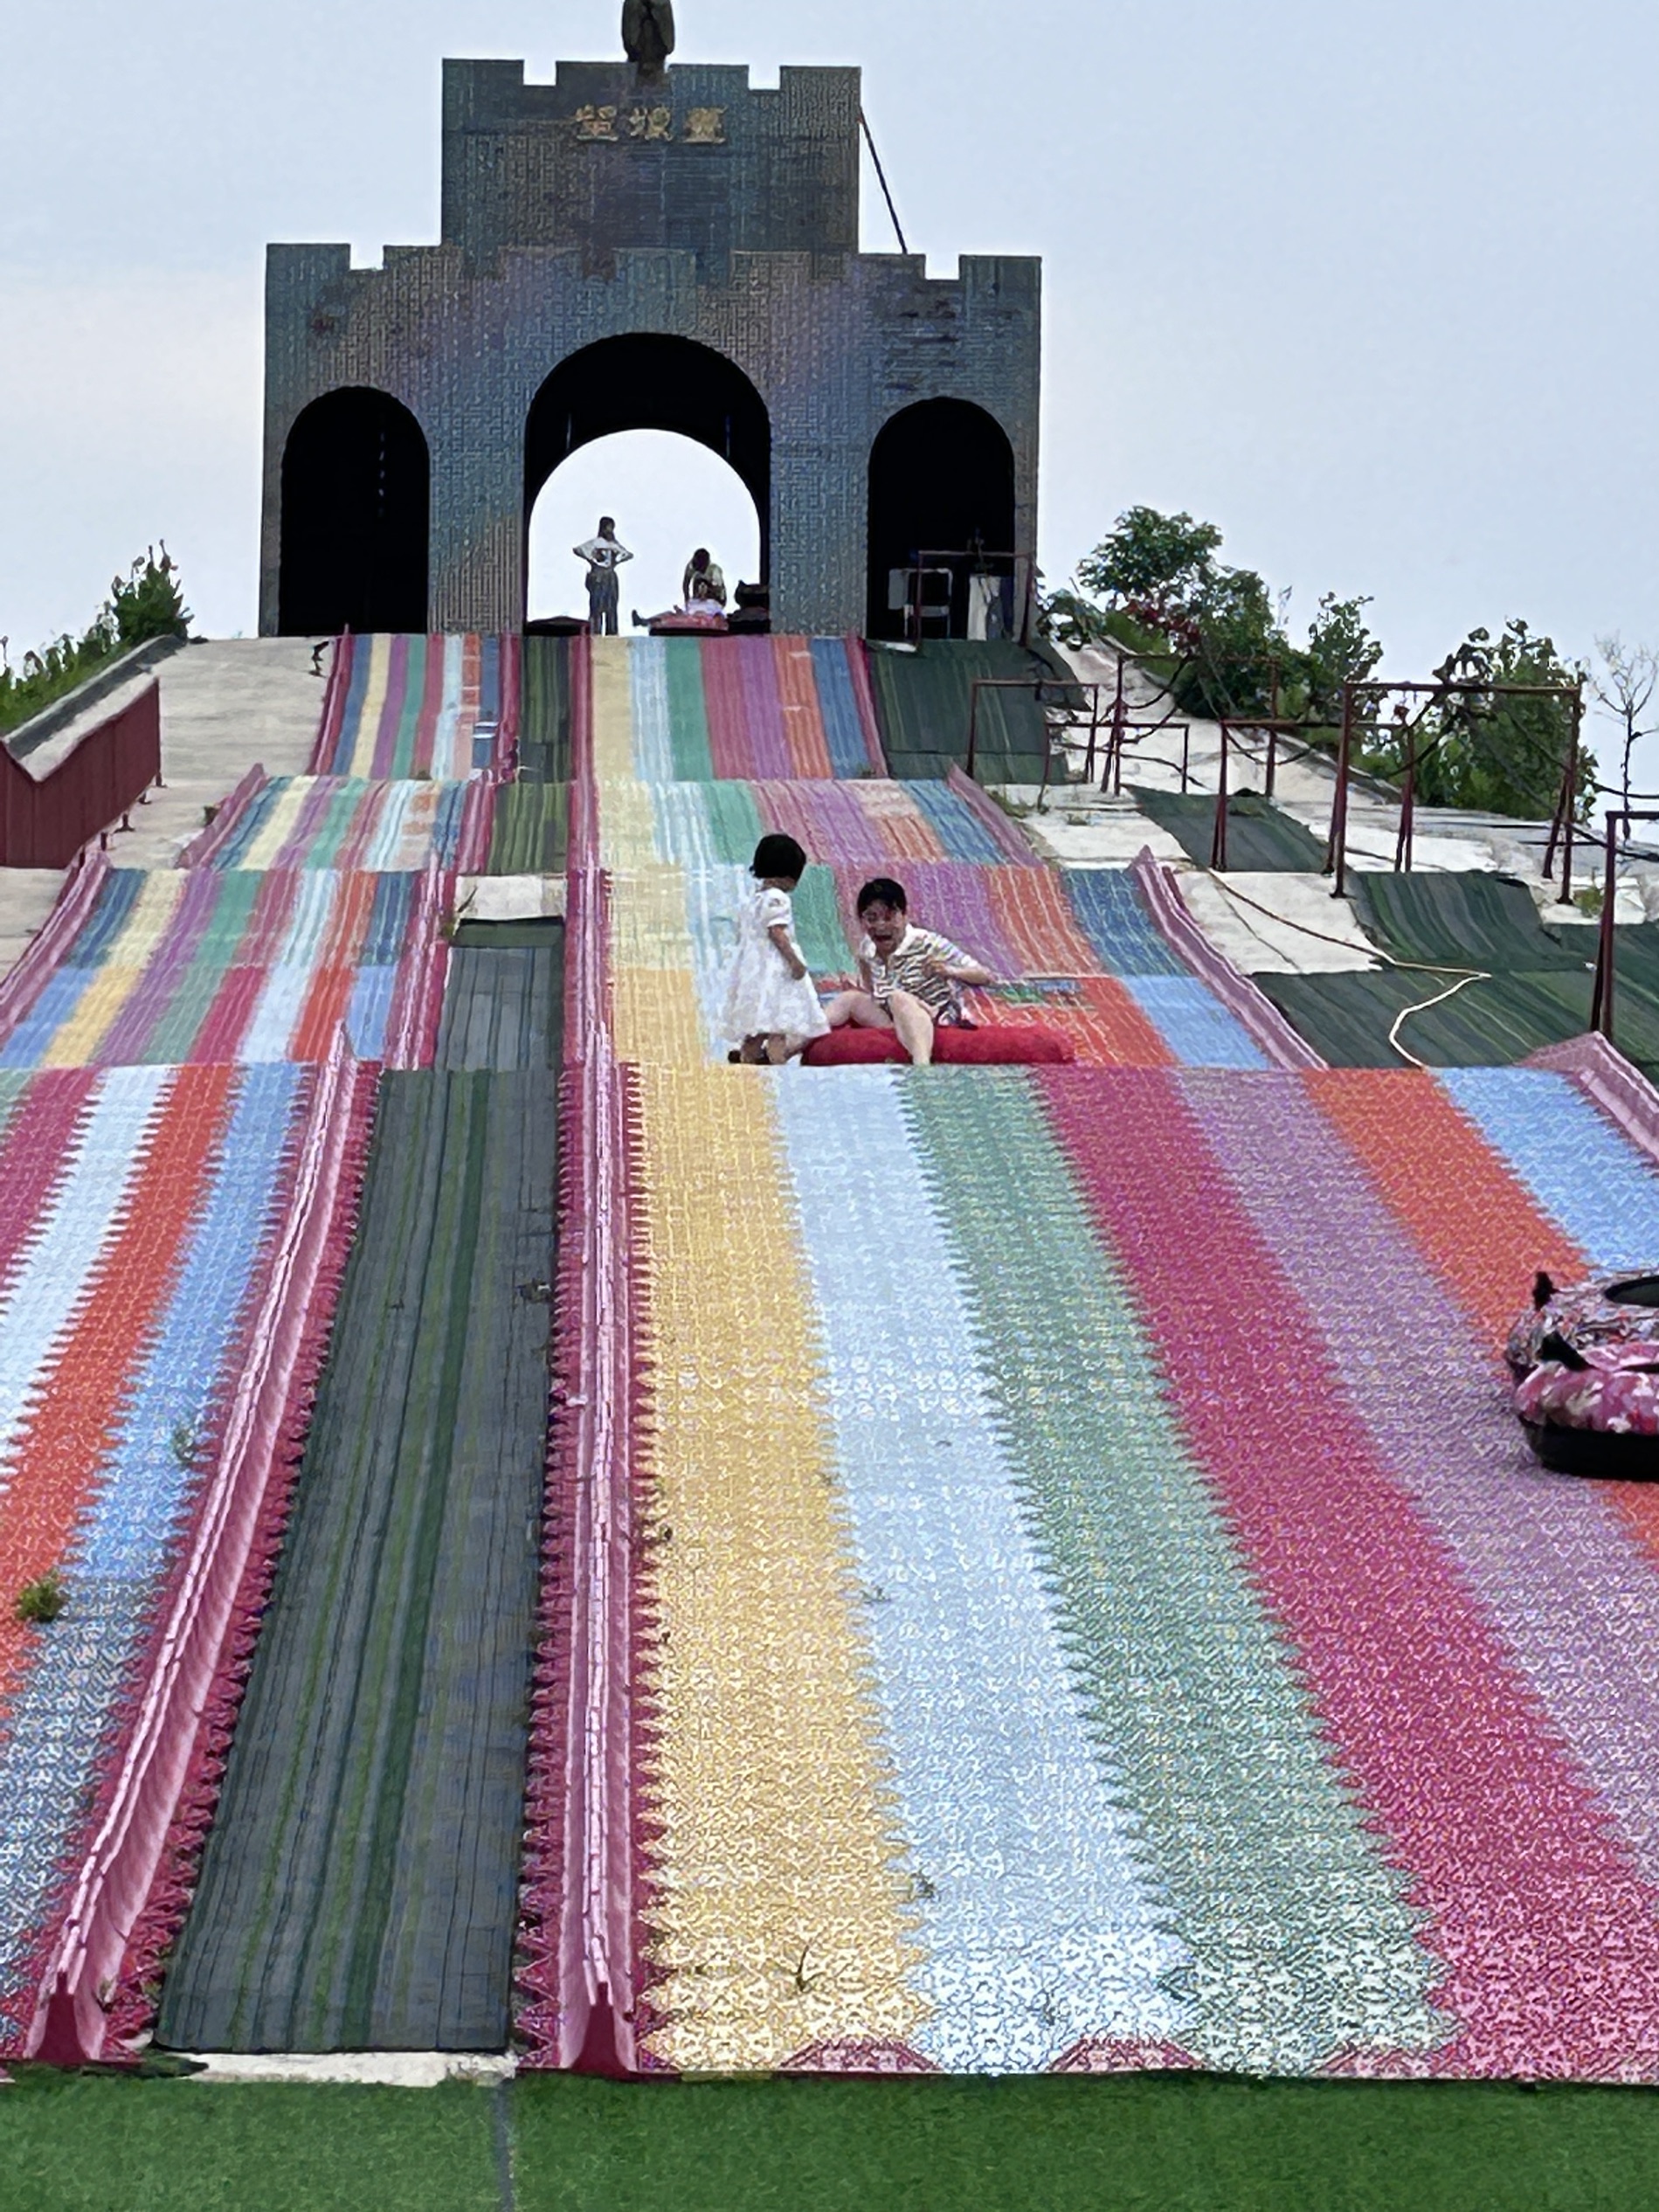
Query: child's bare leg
[914,1025]
[857,1008]
[779,1047]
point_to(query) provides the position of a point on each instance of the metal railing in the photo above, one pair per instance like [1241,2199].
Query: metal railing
[1601,999]
[1405,728]
[44,822]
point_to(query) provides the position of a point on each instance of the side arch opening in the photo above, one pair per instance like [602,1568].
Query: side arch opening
[356,517]
[942,515]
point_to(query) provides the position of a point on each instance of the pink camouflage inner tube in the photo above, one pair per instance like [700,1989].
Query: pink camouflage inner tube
[1586,1362]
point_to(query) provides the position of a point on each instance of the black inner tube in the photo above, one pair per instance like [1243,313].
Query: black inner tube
[1636,1290]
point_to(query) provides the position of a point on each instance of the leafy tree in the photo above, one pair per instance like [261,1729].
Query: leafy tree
[1340,650]
[1164,561]
[1478,750]
[1165,591]
[146,603]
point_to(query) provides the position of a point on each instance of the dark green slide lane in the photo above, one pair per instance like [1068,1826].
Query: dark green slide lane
[502,1005]
[544,711]
[358,1890]
[923,699]
[1259,835]
[531,827]
[1463,919]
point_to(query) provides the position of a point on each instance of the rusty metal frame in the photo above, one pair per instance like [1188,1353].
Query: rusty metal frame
[1601,999]
[1355,690]
[1274,726]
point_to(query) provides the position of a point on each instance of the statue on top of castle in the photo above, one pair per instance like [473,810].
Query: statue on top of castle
[647,33]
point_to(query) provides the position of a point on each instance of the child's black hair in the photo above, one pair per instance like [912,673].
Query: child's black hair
[778,855]
[882,890]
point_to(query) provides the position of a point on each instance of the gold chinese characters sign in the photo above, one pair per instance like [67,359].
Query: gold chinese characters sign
[618,126]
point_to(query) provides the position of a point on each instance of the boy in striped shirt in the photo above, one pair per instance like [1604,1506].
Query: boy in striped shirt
[910,979]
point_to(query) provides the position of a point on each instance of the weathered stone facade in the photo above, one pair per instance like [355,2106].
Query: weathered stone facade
[602,206]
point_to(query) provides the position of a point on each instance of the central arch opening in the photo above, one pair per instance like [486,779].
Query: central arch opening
[648,381]
[668,496]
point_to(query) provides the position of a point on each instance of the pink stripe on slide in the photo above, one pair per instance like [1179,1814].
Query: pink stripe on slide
[725,707]
[1552,1942]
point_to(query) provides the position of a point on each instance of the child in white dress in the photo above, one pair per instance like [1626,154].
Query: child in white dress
[771,1009]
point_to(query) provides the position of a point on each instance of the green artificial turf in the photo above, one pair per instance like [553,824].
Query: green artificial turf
[102,2145]
[1152,2143]
[1260,836]
[1132,2143]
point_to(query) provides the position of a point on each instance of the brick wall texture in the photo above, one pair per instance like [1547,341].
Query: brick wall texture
[601,205]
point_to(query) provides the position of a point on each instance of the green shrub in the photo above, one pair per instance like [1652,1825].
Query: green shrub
[42,1601]
[1479,750]
[146,603]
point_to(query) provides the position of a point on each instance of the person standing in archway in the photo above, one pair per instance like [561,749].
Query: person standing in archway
[604,555]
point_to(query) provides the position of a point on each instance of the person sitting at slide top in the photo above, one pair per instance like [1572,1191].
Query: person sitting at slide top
[703,595]
[911,979]
[704,579]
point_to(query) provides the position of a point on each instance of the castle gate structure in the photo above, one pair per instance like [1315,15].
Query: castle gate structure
[630,250]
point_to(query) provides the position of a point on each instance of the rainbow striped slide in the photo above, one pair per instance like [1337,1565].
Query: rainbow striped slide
[1079,951]
[780,708]
[1084,1640]
[351,823]
[140,1211]
[209,966]
[440,707]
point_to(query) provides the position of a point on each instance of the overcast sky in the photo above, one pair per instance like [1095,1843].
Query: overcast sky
[1371,285]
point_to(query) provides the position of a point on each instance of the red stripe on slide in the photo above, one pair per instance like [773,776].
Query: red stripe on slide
[1551,1939]
[59,1454]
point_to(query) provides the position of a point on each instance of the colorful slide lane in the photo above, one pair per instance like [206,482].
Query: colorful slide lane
[352,824]
[1081,956]
[440,707]
[203,965]
[1084,1642]
[185,1122]
[140,1213]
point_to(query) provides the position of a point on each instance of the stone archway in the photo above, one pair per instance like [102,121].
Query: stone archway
[648,381]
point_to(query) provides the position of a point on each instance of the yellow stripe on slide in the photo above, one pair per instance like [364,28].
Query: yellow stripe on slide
[627,826]
[655,1018]
[612,703]
[648,927]
[135,943]
[778,1904]
[277,826]
[374,702]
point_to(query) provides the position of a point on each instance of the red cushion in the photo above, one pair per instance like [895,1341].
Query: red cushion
[1009,1048]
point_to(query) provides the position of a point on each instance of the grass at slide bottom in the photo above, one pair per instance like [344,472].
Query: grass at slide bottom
[1128,2144]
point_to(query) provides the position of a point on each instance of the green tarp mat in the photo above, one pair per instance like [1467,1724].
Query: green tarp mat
[544,711]
[502,1005]
[359,1887]
[1260,836]
[532,820]
[1461,920]
[923,698]
[1636,953]
[1346,1017]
